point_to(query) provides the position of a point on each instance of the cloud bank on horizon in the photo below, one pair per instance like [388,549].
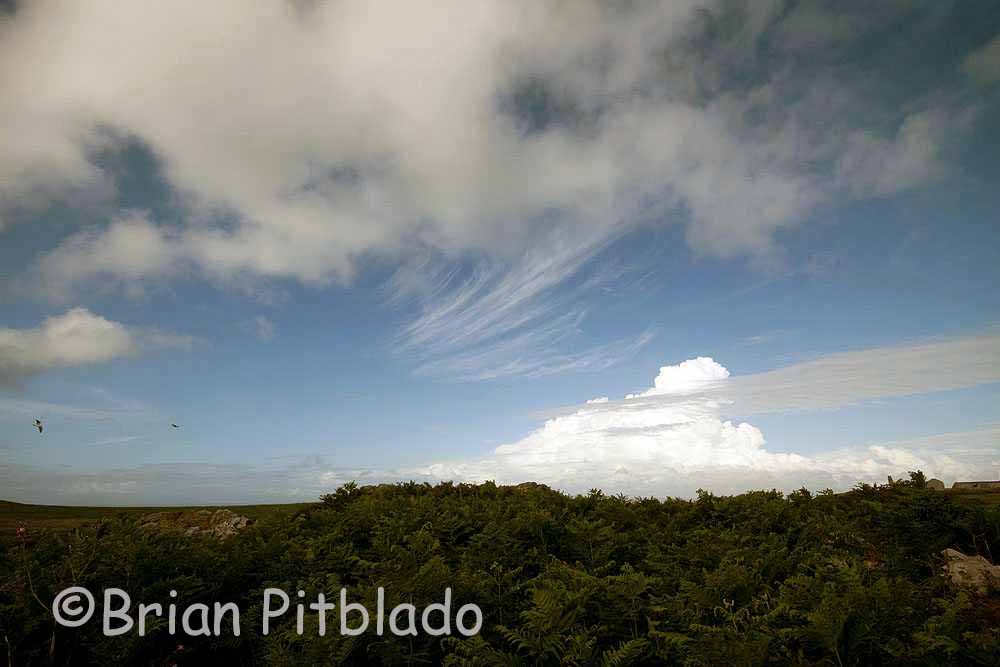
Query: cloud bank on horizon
[678,440]
[669,440]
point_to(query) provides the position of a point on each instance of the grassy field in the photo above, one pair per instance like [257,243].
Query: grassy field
[982,497]
[60,517]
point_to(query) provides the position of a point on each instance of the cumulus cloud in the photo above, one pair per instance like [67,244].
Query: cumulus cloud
[676,436]
[75,338]
[683,442]
[687,377]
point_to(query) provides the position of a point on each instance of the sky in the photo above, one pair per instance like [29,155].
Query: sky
[647,247]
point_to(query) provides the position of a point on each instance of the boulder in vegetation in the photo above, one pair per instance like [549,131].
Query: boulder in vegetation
[220,524]
[973,571]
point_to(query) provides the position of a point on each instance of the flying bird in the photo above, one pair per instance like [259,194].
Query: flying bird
[38,425]
[175,425]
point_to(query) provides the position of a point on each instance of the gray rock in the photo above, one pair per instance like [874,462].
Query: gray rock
[974,572]
[220,523]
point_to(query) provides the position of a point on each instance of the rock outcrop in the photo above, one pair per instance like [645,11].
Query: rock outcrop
[974,572]
[220,524]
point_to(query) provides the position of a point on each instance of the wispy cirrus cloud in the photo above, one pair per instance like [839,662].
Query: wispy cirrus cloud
[20,409]
[115,440]
[501,319]
[836,380]
[531,355]
[499,298]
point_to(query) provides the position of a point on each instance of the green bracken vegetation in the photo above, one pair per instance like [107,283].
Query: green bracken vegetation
[759,578]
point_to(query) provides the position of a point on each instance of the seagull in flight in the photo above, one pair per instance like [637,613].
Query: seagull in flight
[38,425]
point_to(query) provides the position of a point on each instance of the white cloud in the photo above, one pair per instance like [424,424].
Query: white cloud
[847,378]
[688,377]
[834,380]
[301,137]
[508,319]
[75,338]
[128,252]
[681,442]
[675,437]
[301,140]
[873,165]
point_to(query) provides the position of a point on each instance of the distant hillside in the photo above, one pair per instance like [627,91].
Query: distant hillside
[64,517]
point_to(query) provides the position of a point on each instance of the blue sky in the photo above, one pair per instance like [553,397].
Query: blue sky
[418,253]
